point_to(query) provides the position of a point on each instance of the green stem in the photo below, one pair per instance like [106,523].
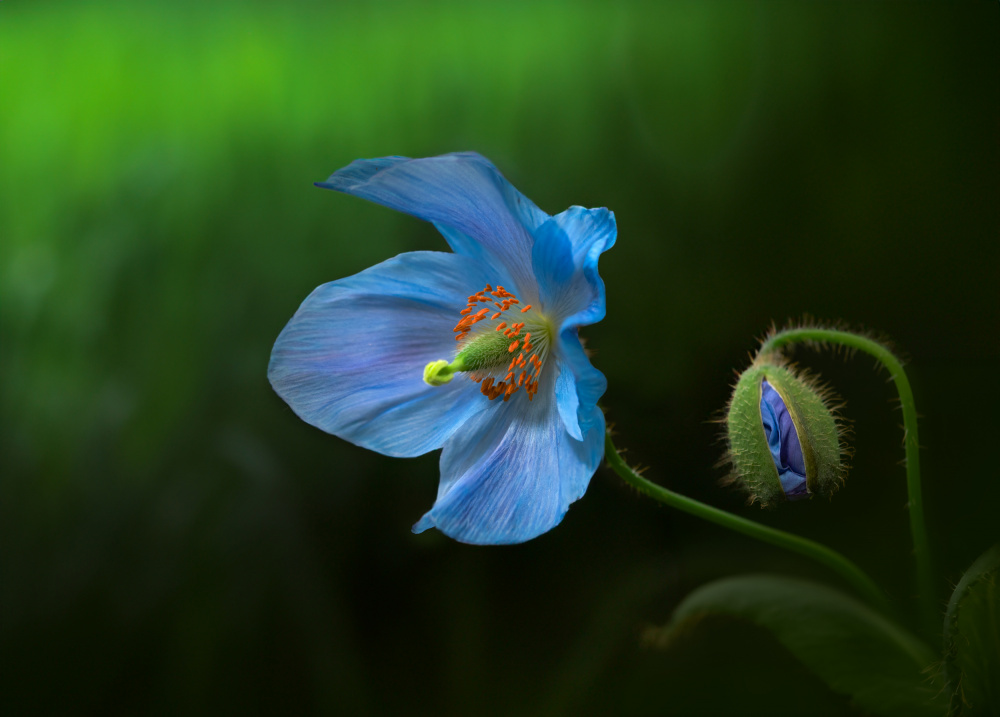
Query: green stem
[850,572]
[918,528]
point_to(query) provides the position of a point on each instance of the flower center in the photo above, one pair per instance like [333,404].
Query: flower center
[502,345]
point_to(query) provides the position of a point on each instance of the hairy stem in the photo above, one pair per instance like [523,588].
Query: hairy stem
[847,570]
[918,528]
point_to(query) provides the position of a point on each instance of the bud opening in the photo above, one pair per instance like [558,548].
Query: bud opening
[783,442]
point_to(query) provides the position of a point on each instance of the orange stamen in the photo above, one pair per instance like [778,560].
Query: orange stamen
[519,370]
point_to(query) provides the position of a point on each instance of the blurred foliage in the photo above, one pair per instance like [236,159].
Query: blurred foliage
[854,649]
[174,540]
[972,639]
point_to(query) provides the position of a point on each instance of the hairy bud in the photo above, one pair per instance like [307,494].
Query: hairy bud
[784,442]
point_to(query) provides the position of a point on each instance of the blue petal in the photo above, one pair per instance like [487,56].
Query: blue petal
[562,289]
[590,383]
[783,442]
[589,230]
[480,213]
[565,256]
[351,360]
[568,400]
[511,473]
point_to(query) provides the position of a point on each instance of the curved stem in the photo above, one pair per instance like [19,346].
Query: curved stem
[850,572]
[918,528]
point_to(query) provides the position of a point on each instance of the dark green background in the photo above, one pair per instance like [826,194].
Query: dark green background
[176,541]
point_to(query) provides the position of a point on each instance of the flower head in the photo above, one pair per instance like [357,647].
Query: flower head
[476,352]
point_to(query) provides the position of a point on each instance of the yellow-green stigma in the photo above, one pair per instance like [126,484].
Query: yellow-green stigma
[438,373]
[502,360]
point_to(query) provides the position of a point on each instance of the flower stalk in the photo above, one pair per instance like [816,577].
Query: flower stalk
[918,527]
[851,573]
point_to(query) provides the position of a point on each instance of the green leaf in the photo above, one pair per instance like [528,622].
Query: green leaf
[882,667]
[972,639]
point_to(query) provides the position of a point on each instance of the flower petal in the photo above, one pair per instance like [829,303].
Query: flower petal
[565,256]
[590,383]
[568,400]
[511,472]
[562,290]
[351,360]
[588,229]
[480,213]
[591,232]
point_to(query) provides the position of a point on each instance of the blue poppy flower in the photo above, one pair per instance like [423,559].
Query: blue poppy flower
[475,352]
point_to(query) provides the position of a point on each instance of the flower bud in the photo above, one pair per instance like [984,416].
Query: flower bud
[784,441]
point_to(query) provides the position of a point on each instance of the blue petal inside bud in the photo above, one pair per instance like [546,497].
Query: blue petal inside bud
[783,440]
